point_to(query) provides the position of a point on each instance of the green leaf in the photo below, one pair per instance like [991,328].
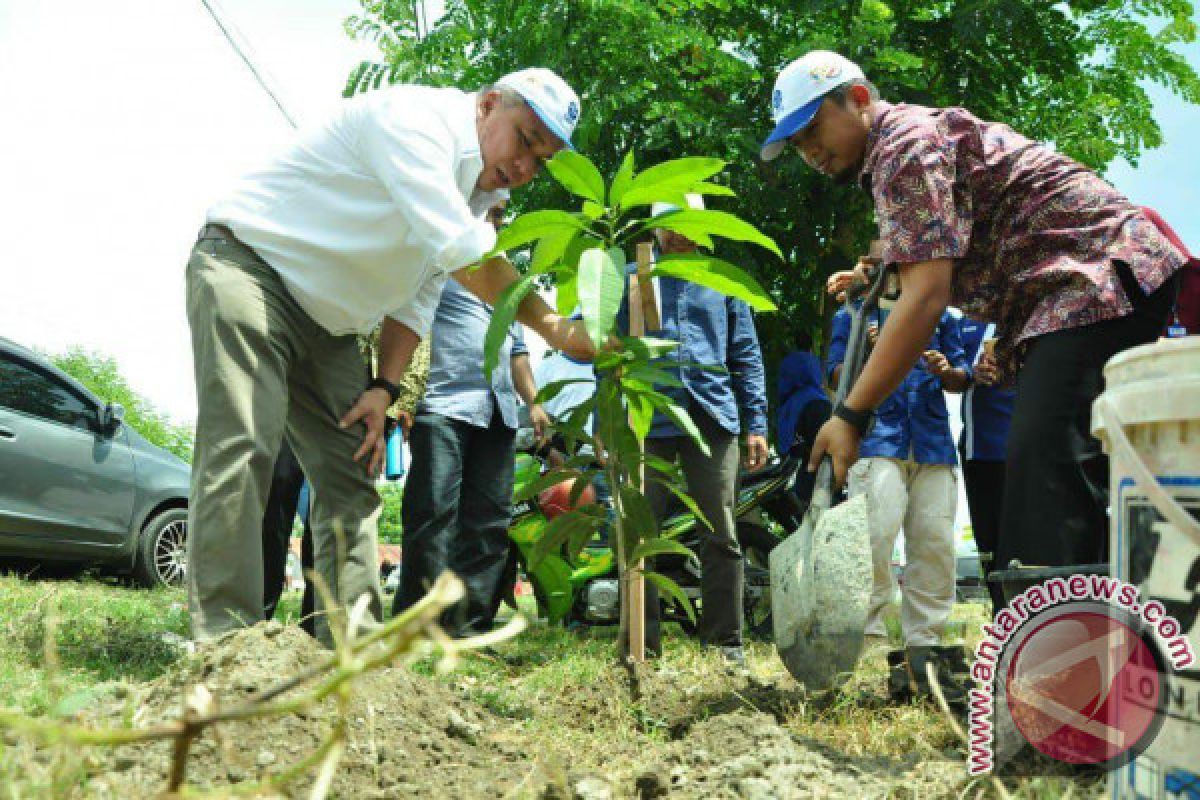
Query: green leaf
[671,589]
[503,315]
[683,421]
[592,211]
[566,294]
[637,513]
[559,530]
[669,177]
[658,464]
[684,498]
[575,426]
[621,180]
[712,189]
[543,482]
[601,285]
[551,390]
[536,225]
[641,414]
[656,194]
[697,225]
[578,538]
[578,175]
[718,275]
[551,250]
[652,376]
[660,546]
[648,347]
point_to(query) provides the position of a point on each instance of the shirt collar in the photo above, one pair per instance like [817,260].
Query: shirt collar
[461,119]
[882,107]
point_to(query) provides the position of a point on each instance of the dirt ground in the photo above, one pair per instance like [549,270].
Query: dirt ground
[412,736]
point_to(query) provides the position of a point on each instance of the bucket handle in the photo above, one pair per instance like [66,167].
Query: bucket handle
[1159,497]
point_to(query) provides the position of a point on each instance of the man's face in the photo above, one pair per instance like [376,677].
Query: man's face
[514,142]
[835,141]
[672,243]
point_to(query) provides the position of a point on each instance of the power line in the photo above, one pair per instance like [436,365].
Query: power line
[241,49]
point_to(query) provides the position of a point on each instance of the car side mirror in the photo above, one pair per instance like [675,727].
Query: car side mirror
[111,417]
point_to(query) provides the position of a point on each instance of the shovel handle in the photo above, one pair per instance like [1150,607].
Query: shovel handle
[822,496]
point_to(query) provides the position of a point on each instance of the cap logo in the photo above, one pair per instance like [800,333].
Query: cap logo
[825,71]
[777,100]
[572,112]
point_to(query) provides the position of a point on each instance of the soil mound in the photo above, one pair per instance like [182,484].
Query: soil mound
[407,736]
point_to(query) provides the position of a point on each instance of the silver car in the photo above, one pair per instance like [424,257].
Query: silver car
[79,487]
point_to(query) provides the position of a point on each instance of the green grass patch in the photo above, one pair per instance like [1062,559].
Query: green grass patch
[102,632]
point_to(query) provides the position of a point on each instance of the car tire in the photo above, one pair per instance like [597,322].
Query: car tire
[162,550]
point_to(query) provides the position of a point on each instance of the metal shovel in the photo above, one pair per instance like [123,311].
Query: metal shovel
[821,575]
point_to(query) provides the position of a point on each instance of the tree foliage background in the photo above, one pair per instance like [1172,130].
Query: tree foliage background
[103,377]
[693,77]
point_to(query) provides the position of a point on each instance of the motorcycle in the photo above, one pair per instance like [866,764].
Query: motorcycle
[585,591]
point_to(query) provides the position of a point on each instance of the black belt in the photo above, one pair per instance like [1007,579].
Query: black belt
[215,231]
[211,231]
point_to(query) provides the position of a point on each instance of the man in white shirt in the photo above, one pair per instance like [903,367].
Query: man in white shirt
[361,220]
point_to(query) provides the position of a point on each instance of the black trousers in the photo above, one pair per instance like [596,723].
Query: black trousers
[984,482]
[712,483]
[1056,481]
[456,511]
[282,500]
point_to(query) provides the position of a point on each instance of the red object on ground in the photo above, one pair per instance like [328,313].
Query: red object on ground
[1188,306]
[556,500]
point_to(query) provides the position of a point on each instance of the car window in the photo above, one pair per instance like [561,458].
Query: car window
[23,388]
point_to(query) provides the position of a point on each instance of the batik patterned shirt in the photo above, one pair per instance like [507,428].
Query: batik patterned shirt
[1034,235]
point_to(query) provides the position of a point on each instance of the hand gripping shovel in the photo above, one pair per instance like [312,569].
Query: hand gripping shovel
[821,575]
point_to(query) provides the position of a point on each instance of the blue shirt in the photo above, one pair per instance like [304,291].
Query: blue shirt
[716,330]
[912,424]
[457,387]
[986,410]
[799,384]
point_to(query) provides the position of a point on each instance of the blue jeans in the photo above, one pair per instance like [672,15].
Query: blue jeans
[456,511]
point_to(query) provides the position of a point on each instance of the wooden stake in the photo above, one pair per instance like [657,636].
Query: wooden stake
[643,315]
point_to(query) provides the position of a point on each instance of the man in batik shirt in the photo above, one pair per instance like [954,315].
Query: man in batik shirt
[974,214]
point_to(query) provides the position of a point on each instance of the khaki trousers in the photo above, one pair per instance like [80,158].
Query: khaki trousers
[922,498]
[263,367]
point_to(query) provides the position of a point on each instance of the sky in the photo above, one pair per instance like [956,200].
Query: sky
[124,121]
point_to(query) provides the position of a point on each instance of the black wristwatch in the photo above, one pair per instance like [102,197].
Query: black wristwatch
[392,389]
[861,420]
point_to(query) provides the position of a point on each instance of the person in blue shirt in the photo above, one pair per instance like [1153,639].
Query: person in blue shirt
[804,406]
[987,414]
[458,496]
[907,474]
[716,330]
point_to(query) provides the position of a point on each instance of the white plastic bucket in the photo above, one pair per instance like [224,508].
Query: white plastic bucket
[1149,421]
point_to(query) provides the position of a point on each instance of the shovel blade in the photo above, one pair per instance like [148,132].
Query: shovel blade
[820,594]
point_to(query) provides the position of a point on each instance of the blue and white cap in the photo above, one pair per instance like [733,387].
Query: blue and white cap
[555,103]
[799,90]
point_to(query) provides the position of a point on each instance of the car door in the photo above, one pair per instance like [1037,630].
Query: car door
[65,488]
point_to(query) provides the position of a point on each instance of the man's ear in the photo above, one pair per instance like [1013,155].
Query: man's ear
[860,95]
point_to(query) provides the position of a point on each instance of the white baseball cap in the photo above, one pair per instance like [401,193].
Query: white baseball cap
[799,90]
[555,103]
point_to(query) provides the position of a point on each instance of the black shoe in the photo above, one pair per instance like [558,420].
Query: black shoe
[908,676]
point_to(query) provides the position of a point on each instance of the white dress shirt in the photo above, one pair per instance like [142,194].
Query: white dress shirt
[366,214]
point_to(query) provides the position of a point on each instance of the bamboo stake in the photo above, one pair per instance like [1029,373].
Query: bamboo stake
[643,315]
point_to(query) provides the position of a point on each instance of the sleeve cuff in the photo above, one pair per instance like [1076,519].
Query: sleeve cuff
[469,248]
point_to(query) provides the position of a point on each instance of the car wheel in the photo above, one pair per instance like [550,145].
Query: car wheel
[162,552]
